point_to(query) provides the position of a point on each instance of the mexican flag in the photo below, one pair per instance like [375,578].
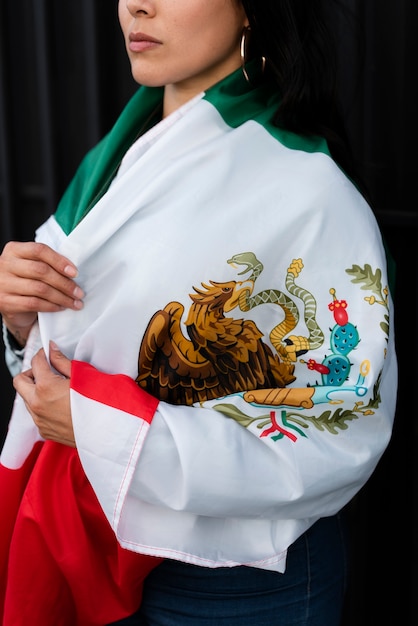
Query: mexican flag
[220,256]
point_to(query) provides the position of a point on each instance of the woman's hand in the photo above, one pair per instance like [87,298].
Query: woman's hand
[46,394]
[34,278]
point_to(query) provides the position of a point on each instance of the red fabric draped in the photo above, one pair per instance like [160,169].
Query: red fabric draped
[60,562]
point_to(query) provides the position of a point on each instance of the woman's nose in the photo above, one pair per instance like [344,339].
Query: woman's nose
[136,7]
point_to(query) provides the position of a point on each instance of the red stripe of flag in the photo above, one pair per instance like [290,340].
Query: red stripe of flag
[115,390]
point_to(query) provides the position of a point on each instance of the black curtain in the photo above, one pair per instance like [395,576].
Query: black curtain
[64,78]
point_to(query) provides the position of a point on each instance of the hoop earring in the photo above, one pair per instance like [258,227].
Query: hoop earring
[245,37]
[243,50]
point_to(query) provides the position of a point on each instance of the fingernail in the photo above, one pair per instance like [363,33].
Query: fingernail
[53,345]
[78,304]
[70,270]
[78,293]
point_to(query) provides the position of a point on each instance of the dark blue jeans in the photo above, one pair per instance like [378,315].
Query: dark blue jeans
[309,593]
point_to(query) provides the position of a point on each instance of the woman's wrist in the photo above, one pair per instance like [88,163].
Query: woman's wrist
[17,335]
[15,338]
[14,352]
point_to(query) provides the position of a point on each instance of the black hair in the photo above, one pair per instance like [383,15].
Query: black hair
[296,40]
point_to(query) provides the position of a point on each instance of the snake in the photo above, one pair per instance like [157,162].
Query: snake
[248,301]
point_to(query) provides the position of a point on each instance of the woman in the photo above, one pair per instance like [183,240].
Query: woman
[206,330]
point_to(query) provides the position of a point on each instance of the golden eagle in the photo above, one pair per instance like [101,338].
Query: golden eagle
[220,356]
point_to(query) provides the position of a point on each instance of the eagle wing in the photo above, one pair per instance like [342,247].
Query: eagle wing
[169,366]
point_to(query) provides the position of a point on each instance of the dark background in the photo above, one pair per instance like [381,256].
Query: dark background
[64,78]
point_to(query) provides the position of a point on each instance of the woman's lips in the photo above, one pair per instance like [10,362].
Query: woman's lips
[138,42]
